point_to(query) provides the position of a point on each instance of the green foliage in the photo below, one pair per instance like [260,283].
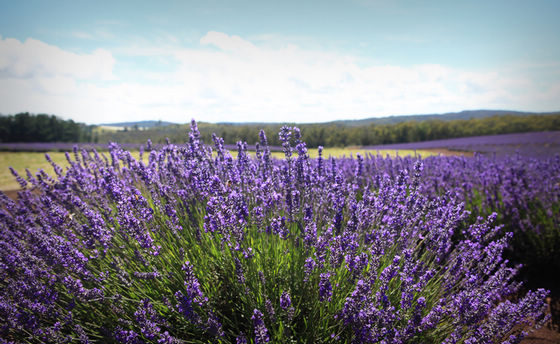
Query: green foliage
[25,127]
[342,135]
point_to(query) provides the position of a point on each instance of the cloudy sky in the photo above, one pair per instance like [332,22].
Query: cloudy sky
[298,61]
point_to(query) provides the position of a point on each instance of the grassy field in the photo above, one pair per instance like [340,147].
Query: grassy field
[22,160]
[35,161]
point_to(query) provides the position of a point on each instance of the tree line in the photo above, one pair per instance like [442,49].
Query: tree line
[341,135]
[26,127]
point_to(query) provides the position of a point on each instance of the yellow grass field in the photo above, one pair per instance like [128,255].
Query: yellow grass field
[36,160]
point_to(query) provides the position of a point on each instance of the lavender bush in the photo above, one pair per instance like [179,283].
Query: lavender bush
[197,247]
[523,192]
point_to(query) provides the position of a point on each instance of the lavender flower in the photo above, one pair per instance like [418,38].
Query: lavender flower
[285,300]
[261,333]
[325,288]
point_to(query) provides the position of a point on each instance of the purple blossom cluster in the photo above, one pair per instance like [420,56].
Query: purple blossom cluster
[196,246]
[523,192]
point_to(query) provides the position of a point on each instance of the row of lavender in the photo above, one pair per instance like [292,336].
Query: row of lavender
[534,144]
[200,247]
[60,146]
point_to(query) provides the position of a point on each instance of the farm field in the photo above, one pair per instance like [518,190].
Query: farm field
[253,249]
[25,160]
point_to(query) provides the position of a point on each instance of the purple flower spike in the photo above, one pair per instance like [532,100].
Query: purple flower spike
[325,288]
[261,333]
[285,300]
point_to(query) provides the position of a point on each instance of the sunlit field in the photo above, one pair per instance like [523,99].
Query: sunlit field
[25,160]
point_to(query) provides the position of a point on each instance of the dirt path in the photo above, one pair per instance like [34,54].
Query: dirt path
[542,336]
[547,335]
[11,193]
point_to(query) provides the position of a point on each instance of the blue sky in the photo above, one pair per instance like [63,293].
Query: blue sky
[301,61]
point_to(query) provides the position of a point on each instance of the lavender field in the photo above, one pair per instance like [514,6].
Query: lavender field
[534,145]
[192,245]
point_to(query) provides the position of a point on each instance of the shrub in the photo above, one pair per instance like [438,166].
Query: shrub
[195,246]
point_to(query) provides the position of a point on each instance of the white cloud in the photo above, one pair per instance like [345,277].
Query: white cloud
[228,78]
[227,43]
[34,58]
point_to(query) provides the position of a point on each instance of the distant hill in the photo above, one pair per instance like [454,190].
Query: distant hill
[139,124]
[450,116]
